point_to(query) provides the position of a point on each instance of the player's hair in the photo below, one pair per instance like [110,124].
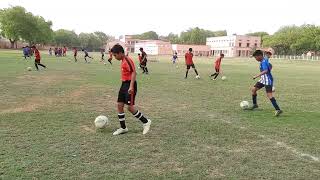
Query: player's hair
[141,49]
[138,54]
[190,49]
[116,49]
[222,55]
[268,52]
[257,53]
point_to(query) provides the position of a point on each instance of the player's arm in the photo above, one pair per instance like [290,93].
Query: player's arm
[133,79]
[144,57]
[262,73]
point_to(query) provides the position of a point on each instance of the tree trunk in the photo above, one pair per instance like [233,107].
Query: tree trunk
[12,43]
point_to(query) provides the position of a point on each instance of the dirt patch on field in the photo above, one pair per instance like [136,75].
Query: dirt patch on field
[43,78]
[29,105]
[87,129]
[34,103]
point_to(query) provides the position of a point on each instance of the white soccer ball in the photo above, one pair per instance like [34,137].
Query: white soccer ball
[223,78]
[105,63]
[198,77]
[244,104]
[101,121]
[29,68]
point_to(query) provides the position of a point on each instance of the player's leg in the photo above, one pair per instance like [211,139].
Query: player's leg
[121,115]
[42,65]
[216,74]
[136,113]
[85,59]
[195,70]
[213,74]
[109,60]
[254,90]
[143,68]
[36,65]
[188,68]
[146,68]
[273,100]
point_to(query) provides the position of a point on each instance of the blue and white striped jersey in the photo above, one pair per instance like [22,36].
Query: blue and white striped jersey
[267,78]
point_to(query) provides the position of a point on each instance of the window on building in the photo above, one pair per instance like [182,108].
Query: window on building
[248,44]
[255,45]
[239,44]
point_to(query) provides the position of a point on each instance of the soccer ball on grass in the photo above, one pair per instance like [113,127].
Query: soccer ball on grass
[244,104]
[101,122]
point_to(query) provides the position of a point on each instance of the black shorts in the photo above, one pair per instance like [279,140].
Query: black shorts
[37,61]
[259,85]
[143,64]
[190,65]
[124,95]
[217,70]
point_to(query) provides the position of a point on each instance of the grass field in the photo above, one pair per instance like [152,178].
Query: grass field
[198,130]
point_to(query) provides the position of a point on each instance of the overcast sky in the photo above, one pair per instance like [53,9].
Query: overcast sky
[164,16]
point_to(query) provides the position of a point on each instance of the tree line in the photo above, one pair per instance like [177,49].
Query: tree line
[192,36]
[16,24]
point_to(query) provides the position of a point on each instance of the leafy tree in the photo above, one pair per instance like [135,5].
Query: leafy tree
[103,37]
[66,38]
[147,35]
[17,24]
[90,41]
[41,32]
[12,23]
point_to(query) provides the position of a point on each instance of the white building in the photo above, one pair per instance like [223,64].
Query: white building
[234,46]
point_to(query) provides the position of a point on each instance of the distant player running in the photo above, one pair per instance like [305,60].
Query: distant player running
[189,63]
[128,91]
[110,57]
[102,55]
[140,60]
[217,67]
[64,50]
[174,58]
[37,58]
[266,80]
[26,52]
[75,54]
[144,61]
[86,54]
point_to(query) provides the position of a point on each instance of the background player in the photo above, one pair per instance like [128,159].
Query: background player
[86,54]
[144,61]
[189,63]
[75,54]
[217,67]
[37,58]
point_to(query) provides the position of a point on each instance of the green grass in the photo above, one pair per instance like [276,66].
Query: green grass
[198,130]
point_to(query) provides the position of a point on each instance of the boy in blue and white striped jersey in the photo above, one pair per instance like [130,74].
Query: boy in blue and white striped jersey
[266,80]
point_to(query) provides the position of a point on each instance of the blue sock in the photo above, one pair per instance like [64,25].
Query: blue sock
[274,103]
